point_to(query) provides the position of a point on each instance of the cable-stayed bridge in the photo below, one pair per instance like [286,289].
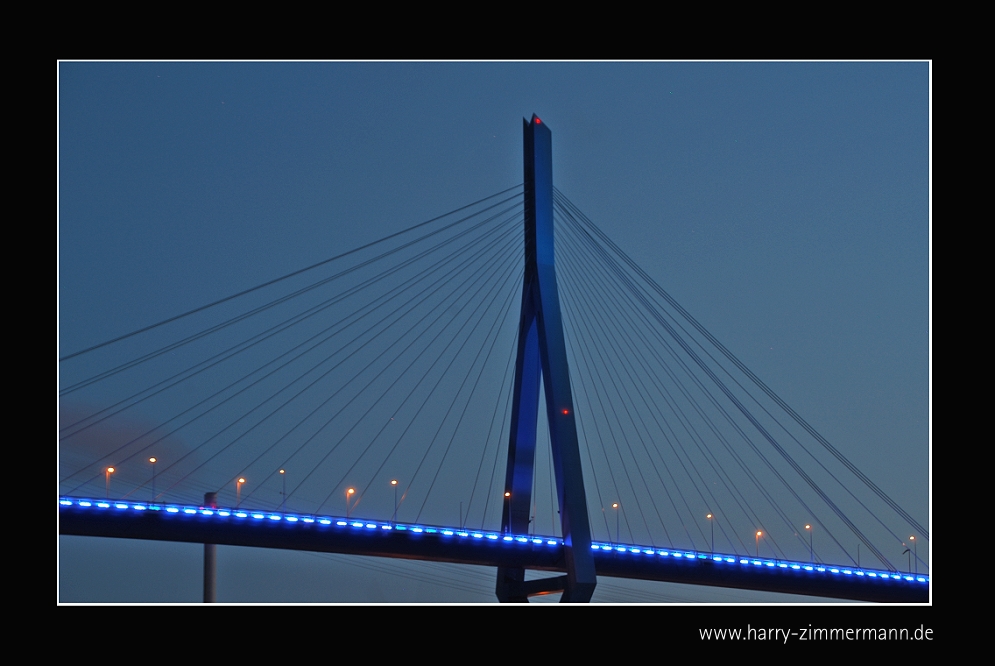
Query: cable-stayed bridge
[300,402]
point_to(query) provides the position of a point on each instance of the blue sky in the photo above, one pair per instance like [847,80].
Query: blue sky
[785,205]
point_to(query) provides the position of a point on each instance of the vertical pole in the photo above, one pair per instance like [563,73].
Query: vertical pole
[210,559]
[394,483]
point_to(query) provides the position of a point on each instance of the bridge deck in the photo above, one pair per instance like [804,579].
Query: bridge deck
[266,529]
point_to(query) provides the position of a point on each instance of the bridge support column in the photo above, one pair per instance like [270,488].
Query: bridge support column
[210,559]
[542,359]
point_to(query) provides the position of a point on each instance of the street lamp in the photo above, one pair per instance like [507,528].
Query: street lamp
[153,461]
[507,498]
[107,481]
[811,550]
[348,497]
[759,534]
[915,545]
[712,524]
[393,482]
[615,506]
[238,491]
[283,495]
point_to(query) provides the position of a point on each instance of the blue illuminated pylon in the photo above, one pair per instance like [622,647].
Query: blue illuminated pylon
[542,357]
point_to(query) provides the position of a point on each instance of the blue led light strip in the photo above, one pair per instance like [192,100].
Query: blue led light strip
[370,526]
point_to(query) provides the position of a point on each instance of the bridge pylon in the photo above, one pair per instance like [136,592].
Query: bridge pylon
[542,359]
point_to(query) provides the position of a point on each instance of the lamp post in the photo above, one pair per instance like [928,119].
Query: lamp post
[711,523]
[348,499]
[615,506]
[393,482]
[811,550]
[283,494]
[759,534]
[153,461]
[915,546]
[238,491]
[507,499]
[107,482]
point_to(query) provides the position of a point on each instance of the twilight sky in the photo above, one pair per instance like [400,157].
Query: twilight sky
[785,205]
